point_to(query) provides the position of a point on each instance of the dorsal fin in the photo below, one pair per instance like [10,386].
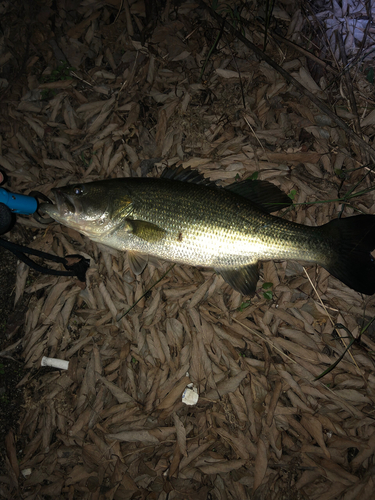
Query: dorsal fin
[265,195]
[186,175]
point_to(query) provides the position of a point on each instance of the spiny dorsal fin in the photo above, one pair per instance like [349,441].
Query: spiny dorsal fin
[186,175]
[265,195]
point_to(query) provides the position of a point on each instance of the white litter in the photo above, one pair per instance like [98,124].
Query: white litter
[61,364]
[190,396]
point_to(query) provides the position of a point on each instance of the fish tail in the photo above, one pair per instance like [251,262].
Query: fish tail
[352,240]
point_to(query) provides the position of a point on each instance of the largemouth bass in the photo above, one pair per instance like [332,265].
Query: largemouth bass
[182,217]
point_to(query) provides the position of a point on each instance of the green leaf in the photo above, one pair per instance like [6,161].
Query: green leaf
[292,194]
[370,75]
[244,305]
[254,176]
[340,173]
[367,326]
[268,295]
[267,285]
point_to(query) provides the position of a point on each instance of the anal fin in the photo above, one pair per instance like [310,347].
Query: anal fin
[137,262]
[243,279]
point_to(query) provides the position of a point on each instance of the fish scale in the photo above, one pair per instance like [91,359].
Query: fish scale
[215,230]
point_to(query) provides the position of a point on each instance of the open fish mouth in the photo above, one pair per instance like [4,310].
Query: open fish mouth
[64,204]
[63,208]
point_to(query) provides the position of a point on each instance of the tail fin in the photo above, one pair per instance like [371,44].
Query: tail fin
[352,240]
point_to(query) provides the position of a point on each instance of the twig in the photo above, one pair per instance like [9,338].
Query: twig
[212,49]
[129,24]
[119,12]
[146,292]
[270,4]
[253,131]
[10,349]
[264,338]
[348,81]
[330,318]
[305,52]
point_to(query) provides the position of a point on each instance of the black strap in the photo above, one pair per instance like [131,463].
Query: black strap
[73,269]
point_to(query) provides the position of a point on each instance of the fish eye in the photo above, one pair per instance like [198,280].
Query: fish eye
[78,190]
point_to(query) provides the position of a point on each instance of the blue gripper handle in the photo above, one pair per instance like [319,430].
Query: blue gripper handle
[18,203]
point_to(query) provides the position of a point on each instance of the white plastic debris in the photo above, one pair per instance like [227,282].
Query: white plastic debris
[61,364]
[190,396]
[26,472]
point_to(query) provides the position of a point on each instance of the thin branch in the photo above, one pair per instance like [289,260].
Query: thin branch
[348,81]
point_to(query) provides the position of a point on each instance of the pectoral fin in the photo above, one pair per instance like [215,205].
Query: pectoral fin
[242,279]
[145,230]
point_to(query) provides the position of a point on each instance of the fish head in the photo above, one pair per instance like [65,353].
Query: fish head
[88,208]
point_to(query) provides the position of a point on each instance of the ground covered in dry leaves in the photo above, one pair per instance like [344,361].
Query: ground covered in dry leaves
[98,89]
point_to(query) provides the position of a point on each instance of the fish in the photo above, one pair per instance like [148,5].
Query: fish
[185,218]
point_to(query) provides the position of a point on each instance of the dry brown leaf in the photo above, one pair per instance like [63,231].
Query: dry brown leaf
[314,428]
[105,111]
[134,437]
[181,434]
[22,273]
[229,385]
[222,467]
[12,454]
[365,453]
[175,393]
[243,447]
[261,462]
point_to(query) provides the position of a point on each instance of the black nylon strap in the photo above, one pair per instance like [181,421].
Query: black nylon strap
[75,269]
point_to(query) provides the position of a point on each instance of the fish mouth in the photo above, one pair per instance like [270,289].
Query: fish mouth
[63,209]
[64,203]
